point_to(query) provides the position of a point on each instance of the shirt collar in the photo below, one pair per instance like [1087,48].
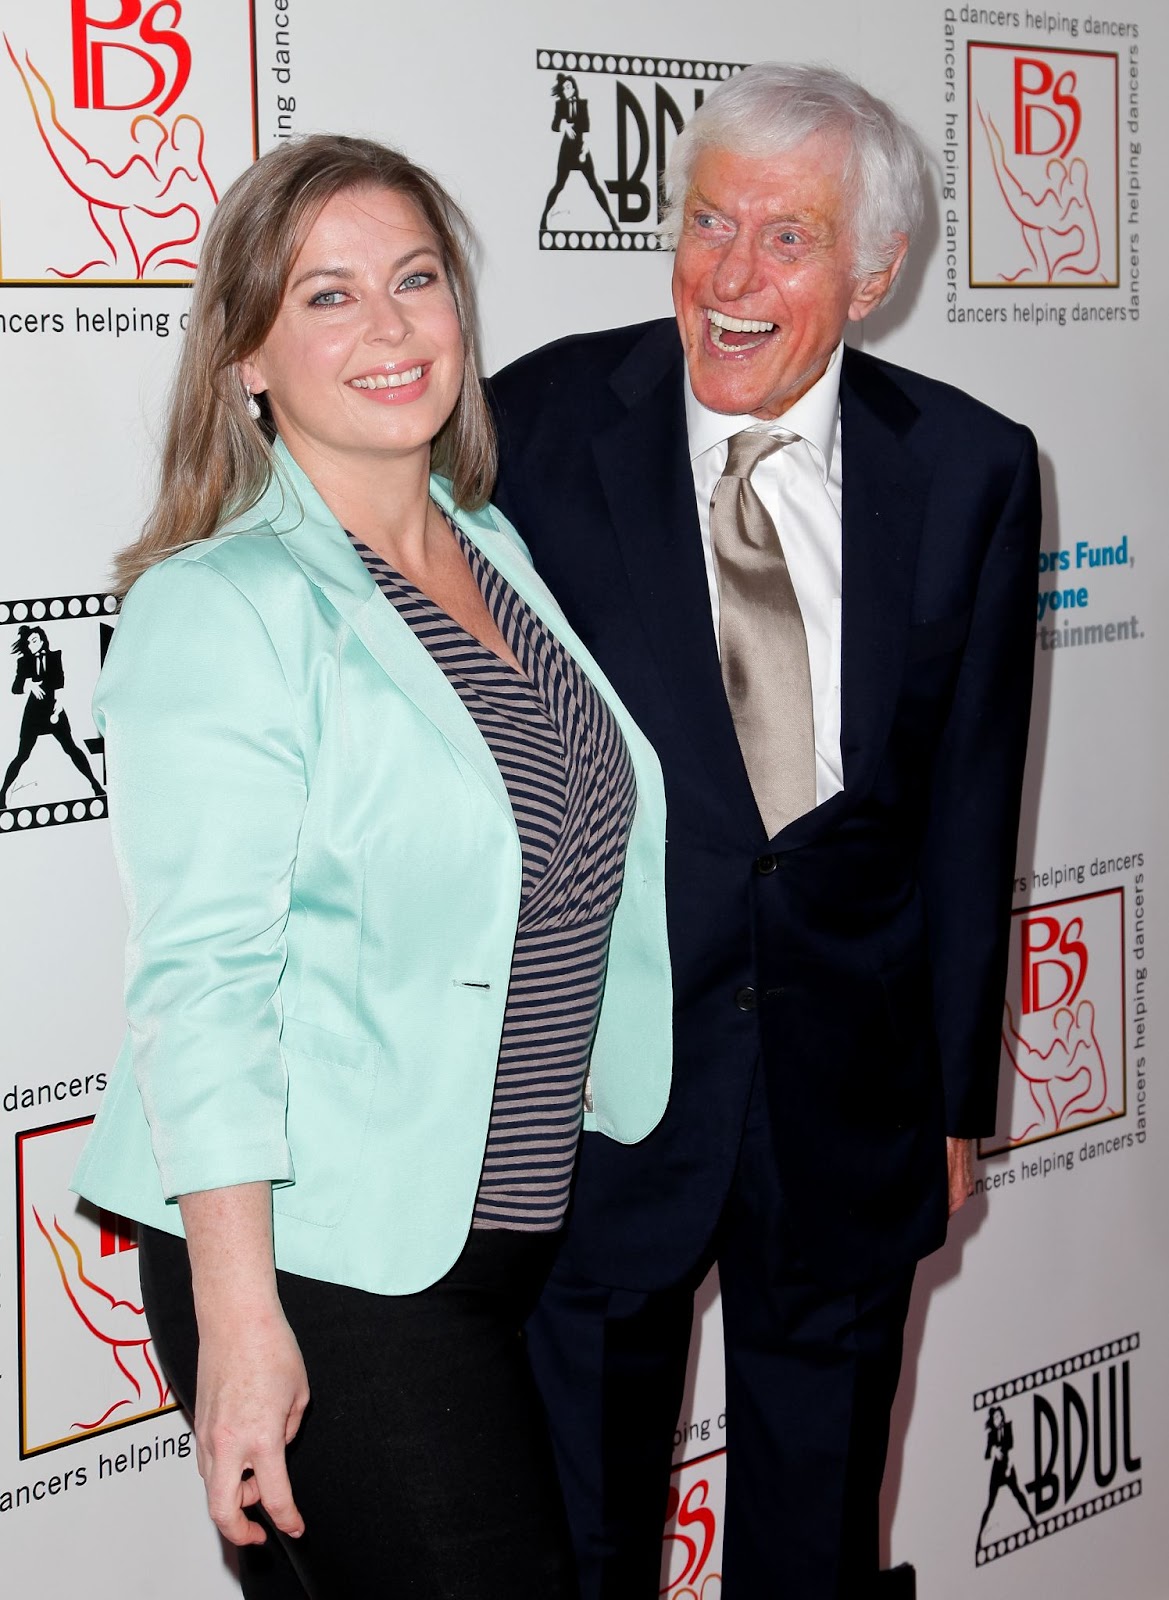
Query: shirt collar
[815,417]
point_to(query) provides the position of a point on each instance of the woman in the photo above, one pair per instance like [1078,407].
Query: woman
[1000,1441]
[39,669]
[572,115]
[376,812]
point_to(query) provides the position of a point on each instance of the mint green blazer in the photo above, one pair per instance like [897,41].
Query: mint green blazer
[322,876]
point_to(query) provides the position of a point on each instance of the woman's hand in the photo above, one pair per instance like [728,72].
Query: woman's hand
[252,1388]
[252,1392]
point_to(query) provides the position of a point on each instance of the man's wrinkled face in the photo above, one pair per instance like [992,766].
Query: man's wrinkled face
[763,277]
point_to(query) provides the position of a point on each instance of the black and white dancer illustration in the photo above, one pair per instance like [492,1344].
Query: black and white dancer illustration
[39,670]
[1000,1441]
[571,119]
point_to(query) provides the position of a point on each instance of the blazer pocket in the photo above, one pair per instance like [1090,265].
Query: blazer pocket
[938,638]
[331,1082]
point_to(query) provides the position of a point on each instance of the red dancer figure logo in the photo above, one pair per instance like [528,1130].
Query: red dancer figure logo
[148,212]
[1059,228]
[120,124]
[120,1324]
[87,1362]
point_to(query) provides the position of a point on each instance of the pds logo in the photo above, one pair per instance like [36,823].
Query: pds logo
[1063,1033]
[692,1553]
[1044,189]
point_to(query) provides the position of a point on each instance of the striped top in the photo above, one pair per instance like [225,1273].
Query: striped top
[570,781]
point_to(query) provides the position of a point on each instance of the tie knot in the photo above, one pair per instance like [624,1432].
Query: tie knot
[747,449]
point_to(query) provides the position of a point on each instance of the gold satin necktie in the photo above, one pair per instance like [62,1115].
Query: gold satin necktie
[762,642]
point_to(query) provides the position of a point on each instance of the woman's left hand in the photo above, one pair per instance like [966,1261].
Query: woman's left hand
[252,1393]
[252,1388]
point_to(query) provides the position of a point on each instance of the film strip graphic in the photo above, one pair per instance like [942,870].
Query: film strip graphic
[636,66]
[1042,1376]
[669,72]
[54,610]
[1046,1526]
[1059,1521]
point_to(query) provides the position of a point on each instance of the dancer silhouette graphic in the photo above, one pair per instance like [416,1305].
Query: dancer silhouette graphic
[571,120]
[1000,1441]
[39,670]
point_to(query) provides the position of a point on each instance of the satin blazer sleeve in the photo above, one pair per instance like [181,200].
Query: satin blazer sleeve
[207,793]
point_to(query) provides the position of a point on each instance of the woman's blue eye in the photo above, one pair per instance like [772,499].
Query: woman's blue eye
[328,297]
[418,280]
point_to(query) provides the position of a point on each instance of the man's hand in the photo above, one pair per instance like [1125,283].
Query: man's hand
[960,1161]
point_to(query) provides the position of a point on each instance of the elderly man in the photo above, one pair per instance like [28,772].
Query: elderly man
[810,576]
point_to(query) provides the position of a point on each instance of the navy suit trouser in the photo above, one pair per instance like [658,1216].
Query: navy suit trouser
[811,1374]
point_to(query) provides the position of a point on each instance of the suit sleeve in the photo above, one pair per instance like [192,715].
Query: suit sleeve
[207,793]
[969,859]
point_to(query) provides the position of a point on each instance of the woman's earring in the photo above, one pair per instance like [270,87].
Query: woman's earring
[253,405]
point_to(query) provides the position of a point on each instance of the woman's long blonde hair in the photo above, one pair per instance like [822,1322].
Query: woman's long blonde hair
[216,461]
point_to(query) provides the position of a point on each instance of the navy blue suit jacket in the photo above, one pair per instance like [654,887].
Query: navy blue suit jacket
[860,955]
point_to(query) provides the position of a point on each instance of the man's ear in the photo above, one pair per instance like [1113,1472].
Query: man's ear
[870,291]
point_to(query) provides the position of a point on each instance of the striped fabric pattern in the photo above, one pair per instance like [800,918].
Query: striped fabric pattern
[572,789]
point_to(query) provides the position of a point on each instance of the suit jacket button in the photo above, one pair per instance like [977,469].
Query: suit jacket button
[765,864]
[745,998]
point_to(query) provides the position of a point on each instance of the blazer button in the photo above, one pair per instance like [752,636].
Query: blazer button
[765,864]
[745,998]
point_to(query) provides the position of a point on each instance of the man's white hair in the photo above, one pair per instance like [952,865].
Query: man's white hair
[774,107]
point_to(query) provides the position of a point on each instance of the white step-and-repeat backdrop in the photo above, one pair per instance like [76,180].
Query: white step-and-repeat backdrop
[1029,1457]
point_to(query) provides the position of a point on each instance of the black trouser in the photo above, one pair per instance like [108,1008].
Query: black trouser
[422,1466]
[811,1374]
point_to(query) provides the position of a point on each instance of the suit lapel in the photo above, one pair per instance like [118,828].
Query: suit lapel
[885,488]
[644,467]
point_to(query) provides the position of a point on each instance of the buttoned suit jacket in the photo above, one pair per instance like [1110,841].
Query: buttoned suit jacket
[858,957]
[322,873]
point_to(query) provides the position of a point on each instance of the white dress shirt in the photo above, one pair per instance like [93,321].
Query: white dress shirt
[801,488]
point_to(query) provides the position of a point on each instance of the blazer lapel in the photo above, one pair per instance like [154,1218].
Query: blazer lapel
[293,510]
[644,466]
[504,549]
